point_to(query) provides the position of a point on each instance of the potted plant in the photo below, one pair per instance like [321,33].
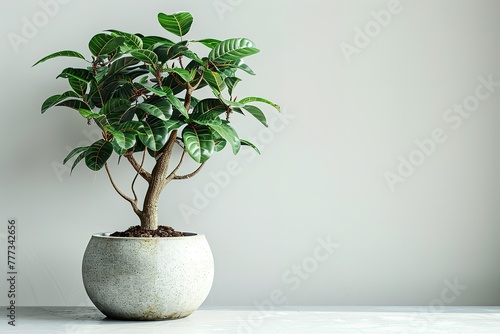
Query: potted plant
[139,90]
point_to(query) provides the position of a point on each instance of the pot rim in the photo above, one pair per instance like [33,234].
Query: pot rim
[106,235]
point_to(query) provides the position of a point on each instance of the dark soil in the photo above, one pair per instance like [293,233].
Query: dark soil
[137,232]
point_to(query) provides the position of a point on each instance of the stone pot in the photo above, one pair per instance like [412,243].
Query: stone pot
[147,278]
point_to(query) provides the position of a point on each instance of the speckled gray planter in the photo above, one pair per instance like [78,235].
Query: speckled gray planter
[147,278]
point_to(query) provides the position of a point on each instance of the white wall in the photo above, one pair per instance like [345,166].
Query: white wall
[350,119]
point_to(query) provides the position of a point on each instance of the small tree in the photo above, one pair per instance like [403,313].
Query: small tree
[139,92]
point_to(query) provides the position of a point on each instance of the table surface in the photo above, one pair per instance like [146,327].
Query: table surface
[278,320]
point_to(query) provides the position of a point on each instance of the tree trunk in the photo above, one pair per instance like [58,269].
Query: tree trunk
[149,217]
[149,214]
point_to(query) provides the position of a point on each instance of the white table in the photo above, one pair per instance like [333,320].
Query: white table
[280,320]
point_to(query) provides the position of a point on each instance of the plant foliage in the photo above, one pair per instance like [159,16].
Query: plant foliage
[139,90]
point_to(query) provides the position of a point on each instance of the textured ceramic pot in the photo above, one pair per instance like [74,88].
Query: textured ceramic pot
[147,278]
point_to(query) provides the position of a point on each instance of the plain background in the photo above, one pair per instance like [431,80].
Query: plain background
[433,239]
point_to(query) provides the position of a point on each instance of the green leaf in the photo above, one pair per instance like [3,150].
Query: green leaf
[259,99]
[78,79]
[166,52]
[247,143]
[173,124]
[130,39]
[97,154]
[123,140]
[66,53]
[119,65]
[214,80]
[209,42]
[150,42]
[134,127]
[88,114]
[229,134]
[156,91]
[55,99]
[117,110]
[246,68]
[154,134]
[74,152]
[153,110]
[77,161]
[220,143]
[184,74]
[231,83]
[76,73]
[177,24]
[257,113]
[103,44]
[232,49]
[80,87]
[176,102]
[207,111]
[149,57]
[164,105]
[73,104]
[198,142]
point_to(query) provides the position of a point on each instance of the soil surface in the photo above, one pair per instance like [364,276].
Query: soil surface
[137,232]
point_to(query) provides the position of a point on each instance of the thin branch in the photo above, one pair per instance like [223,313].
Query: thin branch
[187,176]
[172,174]
[138,167]
[180,83]
[128,199]
[199,81]
[136,175]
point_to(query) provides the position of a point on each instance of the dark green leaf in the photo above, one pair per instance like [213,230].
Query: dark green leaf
[155,133]
[198,142]
[149,57]
[182,73]
[103,44]
[247,143]
[214,80]
[207,105]
[166,52]
[153,110]
[77,161]
[74,152]
[117,110]
[133,41]
[76,73]
[123,140]
[55,99]
[257,113]
[66,53]
[150,42]
[176,102]
[73,104]
[120,65]
[231,83]
[209,42]
[229,134]
[177,24]
[97,154]
[232,49]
